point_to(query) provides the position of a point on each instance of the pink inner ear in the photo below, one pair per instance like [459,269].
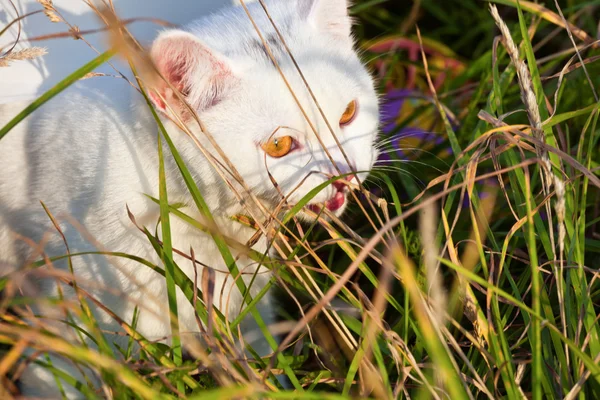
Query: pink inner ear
[190,67]
[174,58]
[174,68]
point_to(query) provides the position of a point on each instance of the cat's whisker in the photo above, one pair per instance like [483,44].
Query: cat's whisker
[385,143]
[408,162]
[380,55]
[400,161]
[413,149]
[407,132]
[399,149]
[405,164]
[389,168]
[377,181]
[402,172]
[394,141]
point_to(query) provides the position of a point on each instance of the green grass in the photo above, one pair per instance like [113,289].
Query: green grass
[516,312]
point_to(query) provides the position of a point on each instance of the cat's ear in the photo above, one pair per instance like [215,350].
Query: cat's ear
[329,16]
[200,74]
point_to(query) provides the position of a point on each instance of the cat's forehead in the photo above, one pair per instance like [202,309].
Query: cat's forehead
[292,74]
[289,98]
[265,102]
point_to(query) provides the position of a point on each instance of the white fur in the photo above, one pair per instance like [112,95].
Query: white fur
[88,154]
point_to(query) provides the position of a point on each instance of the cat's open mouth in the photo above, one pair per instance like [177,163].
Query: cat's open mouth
[335,202]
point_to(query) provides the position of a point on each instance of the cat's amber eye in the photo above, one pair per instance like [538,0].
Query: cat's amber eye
[279,146]
[349,114]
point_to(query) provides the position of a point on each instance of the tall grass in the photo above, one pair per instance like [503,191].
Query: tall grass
[468,266]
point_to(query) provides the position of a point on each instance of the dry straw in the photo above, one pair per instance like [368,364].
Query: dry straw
[527,93]
[435,289]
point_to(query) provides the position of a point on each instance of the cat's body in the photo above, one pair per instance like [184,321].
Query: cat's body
[88,155]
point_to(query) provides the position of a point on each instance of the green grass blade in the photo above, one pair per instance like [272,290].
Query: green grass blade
[59,87]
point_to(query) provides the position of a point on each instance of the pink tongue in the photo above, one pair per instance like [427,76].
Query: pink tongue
[336,202]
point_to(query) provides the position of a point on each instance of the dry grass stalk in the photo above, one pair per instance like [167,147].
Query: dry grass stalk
[49,10]
[435,288]
[527,93]
[370,380]
[25,54]
[556,19]
[568,29]
[549,178]
[480,218]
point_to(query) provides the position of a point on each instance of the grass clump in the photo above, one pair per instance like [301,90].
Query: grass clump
[470,268]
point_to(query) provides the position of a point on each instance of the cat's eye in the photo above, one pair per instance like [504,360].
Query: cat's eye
[279,146]
[349,114]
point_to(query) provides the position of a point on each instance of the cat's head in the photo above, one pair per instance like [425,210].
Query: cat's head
[227,75]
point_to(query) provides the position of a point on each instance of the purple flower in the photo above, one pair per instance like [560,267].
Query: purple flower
[391,107]
[404,142]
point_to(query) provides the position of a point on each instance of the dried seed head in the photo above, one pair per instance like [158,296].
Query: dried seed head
[527,93]
[528,96]
[91,75]
[49,10]
[25,54]
[560,207]
[75,31]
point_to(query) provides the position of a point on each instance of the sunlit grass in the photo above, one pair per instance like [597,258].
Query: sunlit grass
[470,271]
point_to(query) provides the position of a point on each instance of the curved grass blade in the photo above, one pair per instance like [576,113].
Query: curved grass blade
[59,87]
[169,264]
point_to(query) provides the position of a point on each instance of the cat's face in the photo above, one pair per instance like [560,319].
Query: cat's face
[249,108]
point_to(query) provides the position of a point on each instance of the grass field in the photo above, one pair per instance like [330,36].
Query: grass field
[472,263]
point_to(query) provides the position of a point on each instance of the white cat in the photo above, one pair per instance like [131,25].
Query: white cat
[89,154]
